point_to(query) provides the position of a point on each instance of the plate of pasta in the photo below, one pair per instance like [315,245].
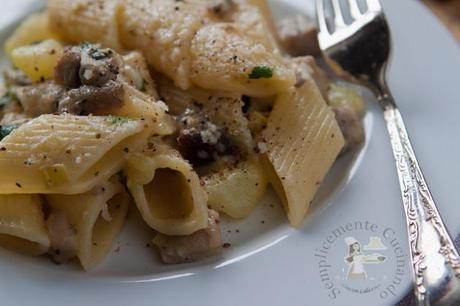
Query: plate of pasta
[145,143]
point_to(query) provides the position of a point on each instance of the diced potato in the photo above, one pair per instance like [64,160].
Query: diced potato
[38,61]
[33,29]
[340,96]
[237,191]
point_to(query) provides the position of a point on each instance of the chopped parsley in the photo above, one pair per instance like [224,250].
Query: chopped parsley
[7,98]
[142,87]
[118,120]
[6,130]
[260,72]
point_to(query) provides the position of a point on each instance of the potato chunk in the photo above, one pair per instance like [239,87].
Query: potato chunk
[33,29]
[38,60]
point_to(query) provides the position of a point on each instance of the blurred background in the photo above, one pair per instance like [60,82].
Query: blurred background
[449,13]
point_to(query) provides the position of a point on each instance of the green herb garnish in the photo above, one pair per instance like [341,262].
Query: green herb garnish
[7,98]
[119,120]
[142,87]
[6,130]
[260,72]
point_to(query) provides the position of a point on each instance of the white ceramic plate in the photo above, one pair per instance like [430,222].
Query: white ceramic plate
[270,263]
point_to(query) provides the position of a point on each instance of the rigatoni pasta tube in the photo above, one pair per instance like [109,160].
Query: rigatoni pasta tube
[97,217]
[266,13]
[86,20]
[167,192]
[251,65]
[302,141]
[22,225]
[163,31]
[183,40]
[136,73]
[140,105]
[66,154]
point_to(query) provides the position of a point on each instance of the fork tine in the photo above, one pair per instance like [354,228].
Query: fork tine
[339,21]
[321,17]
[374,5]
[355,12]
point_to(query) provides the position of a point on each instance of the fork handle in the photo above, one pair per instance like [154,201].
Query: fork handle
[435,261]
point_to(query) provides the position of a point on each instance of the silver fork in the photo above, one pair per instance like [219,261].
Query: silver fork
[360,52]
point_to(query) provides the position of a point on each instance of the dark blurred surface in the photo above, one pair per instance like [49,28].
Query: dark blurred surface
[449,13]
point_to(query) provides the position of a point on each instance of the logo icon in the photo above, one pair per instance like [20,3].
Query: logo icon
[361,258]
[357,260]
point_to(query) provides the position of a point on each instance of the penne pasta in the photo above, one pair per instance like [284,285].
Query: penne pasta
[140,105]
[97,217]
[268,21]
[136,73]
[22,224]
[163,30]
[86,20]
[66,154]
[301,142]
[167,191]
[251,66]
[189,105]
[184,41]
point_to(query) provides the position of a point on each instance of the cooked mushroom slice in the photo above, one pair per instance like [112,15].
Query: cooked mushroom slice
[351,125]
[299,36]
[87,64]
[200,141]
[98,66]
[89,99]
[68,67]
[63,237]
[201,244]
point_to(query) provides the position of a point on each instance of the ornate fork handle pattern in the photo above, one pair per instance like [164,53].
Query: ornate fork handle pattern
[361,52]
[435,260]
